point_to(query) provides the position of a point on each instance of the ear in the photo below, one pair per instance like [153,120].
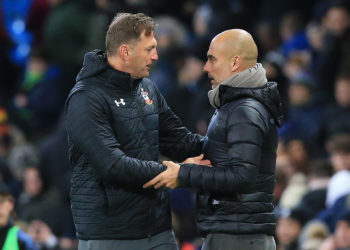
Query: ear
[124,51]
[235,63]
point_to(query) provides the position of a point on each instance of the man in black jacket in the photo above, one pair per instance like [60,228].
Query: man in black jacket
[117,124]
[234,198]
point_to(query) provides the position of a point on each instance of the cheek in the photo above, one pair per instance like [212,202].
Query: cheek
[216,69]
[144,60]
[222,72]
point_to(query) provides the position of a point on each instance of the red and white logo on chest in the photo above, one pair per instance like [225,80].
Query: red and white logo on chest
[145,96]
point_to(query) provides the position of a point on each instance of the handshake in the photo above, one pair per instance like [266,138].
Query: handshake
[169,178]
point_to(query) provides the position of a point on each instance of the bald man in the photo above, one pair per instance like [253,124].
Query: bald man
[234,198]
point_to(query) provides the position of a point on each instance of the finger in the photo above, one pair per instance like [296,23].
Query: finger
[171,164]
[199,157]
[153,181]
[205,162]
[159,185]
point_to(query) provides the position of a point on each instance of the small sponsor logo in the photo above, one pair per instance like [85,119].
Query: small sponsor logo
[121,102]
[145,96]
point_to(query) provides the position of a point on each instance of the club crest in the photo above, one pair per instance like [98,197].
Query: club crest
[145,96]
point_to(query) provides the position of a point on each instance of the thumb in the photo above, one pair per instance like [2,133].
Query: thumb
[199,157]
[165,163]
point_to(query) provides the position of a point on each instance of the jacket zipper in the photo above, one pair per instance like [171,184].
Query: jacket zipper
[141,113]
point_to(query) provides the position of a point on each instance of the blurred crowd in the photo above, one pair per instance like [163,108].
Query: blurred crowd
[303,45]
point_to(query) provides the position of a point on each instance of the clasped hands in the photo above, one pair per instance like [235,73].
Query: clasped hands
[168,178]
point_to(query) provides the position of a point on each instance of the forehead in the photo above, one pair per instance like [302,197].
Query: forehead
[216,48]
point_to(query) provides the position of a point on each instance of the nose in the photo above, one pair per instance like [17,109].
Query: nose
[205,68]
[154,56]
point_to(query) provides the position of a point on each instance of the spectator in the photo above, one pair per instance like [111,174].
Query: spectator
[40,99]
[292,33]
[331,215]
[336,119]
[289,226]
[171,38]
[315,33]
[314,200]
[42,235]
[313,235]
[296,166]
[10,135]
[54,161]
[46,240]
[339,149]
[335,56]
[40,202]
[304,113]
[341,238]
[281,183]
[294,191]
[299,155]
[68,36]
[11,237]
[194,109]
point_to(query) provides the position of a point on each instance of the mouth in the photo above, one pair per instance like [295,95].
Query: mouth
[211,80]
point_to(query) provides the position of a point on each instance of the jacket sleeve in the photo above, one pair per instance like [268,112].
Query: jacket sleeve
[245,132]
[25,242]
[88,126]
[175,140]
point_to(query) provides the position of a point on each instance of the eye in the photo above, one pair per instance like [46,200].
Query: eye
[211,59]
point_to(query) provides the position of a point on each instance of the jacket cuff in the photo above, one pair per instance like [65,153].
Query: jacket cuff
[184,175]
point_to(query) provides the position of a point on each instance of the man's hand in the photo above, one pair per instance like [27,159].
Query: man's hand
[167,178]
[198,160]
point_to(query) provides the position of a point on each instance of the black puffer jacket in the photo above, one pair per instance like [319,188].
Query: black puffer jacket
[116,128]
[235,196]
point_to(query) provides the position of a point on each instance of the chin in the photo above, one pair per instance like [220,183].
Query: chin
[146,74]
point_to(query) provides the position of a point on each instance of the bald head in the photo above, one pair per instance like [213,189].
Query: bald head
[237,42]
[230,52]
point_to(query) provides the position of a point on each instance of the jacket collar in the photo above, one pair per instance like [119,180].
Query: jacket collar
[253,77]
[95,65]
[267,95]
[119,79]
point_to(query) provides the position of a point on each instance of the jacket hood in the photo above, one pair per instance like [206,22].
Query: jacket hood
[95,62]
[267,95]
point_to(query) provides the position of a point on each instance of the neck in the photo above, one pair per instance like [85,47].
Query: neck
[117,63]
[244,66]
[247,64]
